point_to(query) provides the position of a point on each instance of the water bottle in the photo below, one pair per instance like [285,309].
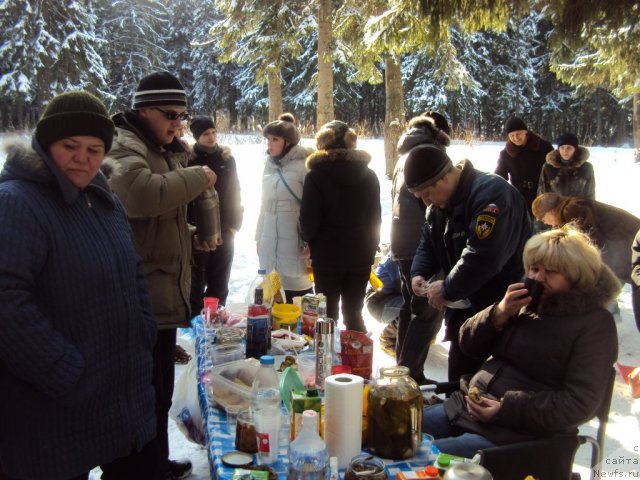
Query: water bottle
[258,282]
[323,342]
[308,454]
[265,404]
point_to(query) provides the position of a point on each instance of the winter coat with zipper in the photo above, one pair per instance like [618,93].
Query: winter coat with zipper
[409,211]
[574,178]
[76,328]
[155,190]
[478,241]
[341,215]
[549,368]
[279,244]
[221,161]
[611,228]
[521,165]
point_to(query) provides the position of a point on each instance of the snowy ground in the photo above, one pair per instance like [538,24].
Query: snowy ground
[617,177]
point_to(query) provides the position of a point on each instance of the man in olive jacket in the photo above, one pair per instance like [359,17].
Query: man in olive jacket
[155,190]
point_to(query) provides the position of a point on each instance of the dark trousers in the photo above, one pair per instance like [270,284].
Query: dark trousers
[635,299]
[418,325]
[142,465]
[163,380]
[459,363]
[296,293]
[350,287]
[210,273]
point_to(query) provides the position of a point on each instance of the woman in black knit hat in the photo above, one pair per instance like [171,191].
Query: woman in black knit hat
[278,240]
[76,328]
[567,171]
[211,270]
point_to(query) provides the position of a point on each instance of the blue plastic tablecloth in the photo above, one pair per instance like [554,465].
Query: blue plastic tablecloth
[220,441]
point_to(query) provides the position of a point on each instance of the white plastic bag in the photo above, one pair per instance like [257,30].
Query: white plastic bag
[185,409]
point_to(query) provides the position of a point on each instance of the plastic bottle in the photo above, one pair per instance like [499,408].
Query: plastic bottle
[323,342]
[258,319]
[258,281]
[265,404]
[308,454]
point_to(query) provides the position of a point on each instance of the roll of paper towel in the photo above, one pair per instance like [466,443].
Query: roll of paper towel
[343,416]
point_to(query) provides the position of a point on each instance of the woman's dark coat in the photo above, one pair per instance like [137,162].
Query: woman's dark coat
[574,178]
[549,368]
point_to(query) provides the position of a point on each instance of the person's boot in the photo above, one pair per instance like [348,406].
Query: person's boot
[388,339]
[178,470]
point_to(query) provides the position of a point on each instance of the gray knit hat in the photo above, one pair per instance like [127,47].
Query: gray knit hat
[160,89]
[72,114]
[284,127]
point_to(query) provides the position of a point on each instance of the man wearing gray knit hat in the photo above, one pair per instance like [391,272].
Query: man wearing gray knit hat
[475,230]
[155,190]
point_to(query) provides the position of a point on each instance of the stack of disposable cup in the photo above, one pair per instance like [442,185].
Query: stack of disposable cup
[343,416]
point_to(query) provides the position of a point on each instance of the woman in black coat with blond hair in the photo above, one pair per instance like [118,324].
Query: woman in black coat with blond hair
[340,219]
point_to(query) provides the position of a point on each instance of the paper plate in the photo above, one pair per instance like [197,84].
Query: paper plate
[289,381]
[237,459]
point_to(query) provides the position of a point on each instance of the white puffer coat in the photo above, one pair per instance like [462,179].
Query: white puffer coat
[279,245]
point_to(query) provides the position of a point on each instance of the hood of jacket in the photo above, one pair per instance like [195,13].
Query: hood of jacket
[420,133]
[346,166]
[576,302]
[32,164]
[222,152]
[533,144]
[578,159]
[297,152]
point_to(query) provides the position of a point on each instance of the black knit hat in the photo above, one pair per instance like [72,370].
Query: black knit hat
[336,134]
[160,89]
[424,165]
[568,139]
[284,127]
[514,124]
[73,114]
[200,124]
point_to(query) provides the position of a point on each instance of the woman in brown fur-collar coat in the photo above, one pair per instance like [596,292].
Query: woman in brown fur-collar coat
[340,219]
[567,171]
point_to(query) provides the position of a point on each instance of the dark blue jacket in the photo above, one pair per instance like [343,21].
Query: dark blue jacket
[478,241]
[76,329]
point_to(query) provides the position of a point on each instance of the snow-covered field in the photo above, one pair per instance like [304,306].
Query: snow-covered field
[617,178]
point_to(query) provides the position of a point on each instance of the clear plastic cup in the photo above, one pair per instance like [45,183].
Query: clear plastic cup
[307,368]
[232,417]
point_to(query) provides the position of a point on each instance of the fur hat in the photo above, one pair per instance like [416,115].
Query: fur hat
[424,165]
[72,114]
[336,134]
[568,139]
[439,119]
[545,203]
[199,124]
[284,127]
[514,124]
[160,89]
[421,130]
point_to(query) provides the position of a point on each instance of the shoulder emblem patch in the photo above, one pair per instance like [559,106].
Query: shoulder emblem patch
[484,225]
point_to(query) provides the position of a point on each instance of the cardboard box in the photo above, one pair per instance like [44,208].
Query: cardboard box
[302,400]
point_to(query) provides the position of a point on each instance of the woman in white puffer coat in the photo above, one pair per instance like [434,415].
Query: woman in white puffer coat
[277,236]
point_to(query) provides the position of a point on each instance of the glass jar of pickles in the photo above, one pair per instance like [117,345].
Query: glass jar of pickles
[394,415]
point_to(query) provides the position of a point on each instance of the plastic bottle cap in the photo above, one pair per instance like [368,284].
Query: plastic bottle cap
[444,460]
[266,360]
[431,471]
[262,271]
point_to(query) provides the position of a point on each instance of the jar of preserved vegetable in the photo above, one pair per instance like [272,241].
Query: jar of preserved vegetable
[394,415]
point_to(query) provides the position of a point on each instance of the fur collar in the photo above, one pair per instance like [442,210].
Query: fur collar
[577,302]
[337,155]
[221,151]
[297,152]
[25,163]
[533,144]
[578,159]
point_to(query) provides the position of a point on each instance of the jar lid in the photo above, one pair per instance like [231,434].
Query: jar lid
[237,459]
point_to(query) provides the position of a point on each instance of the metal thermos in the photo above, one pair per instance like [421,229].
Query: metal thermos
[323,346]
[207,211]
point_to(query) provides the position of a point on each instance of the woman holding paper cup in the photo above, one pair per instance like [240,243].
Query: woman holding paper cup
[519,394]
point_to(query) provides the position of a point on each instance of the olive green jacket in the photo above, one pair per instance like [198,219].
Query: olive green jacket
[155,190]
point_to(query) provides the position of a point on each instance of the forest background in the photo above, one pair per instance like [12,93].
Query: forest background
[562,65]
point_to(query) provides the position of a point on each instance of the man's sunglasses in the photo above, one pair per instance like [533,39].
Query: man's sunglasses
[173,115]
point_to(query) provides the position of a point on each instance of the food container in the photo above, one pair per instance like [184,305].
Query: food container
[394,414]
[365,467]
[230,383]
